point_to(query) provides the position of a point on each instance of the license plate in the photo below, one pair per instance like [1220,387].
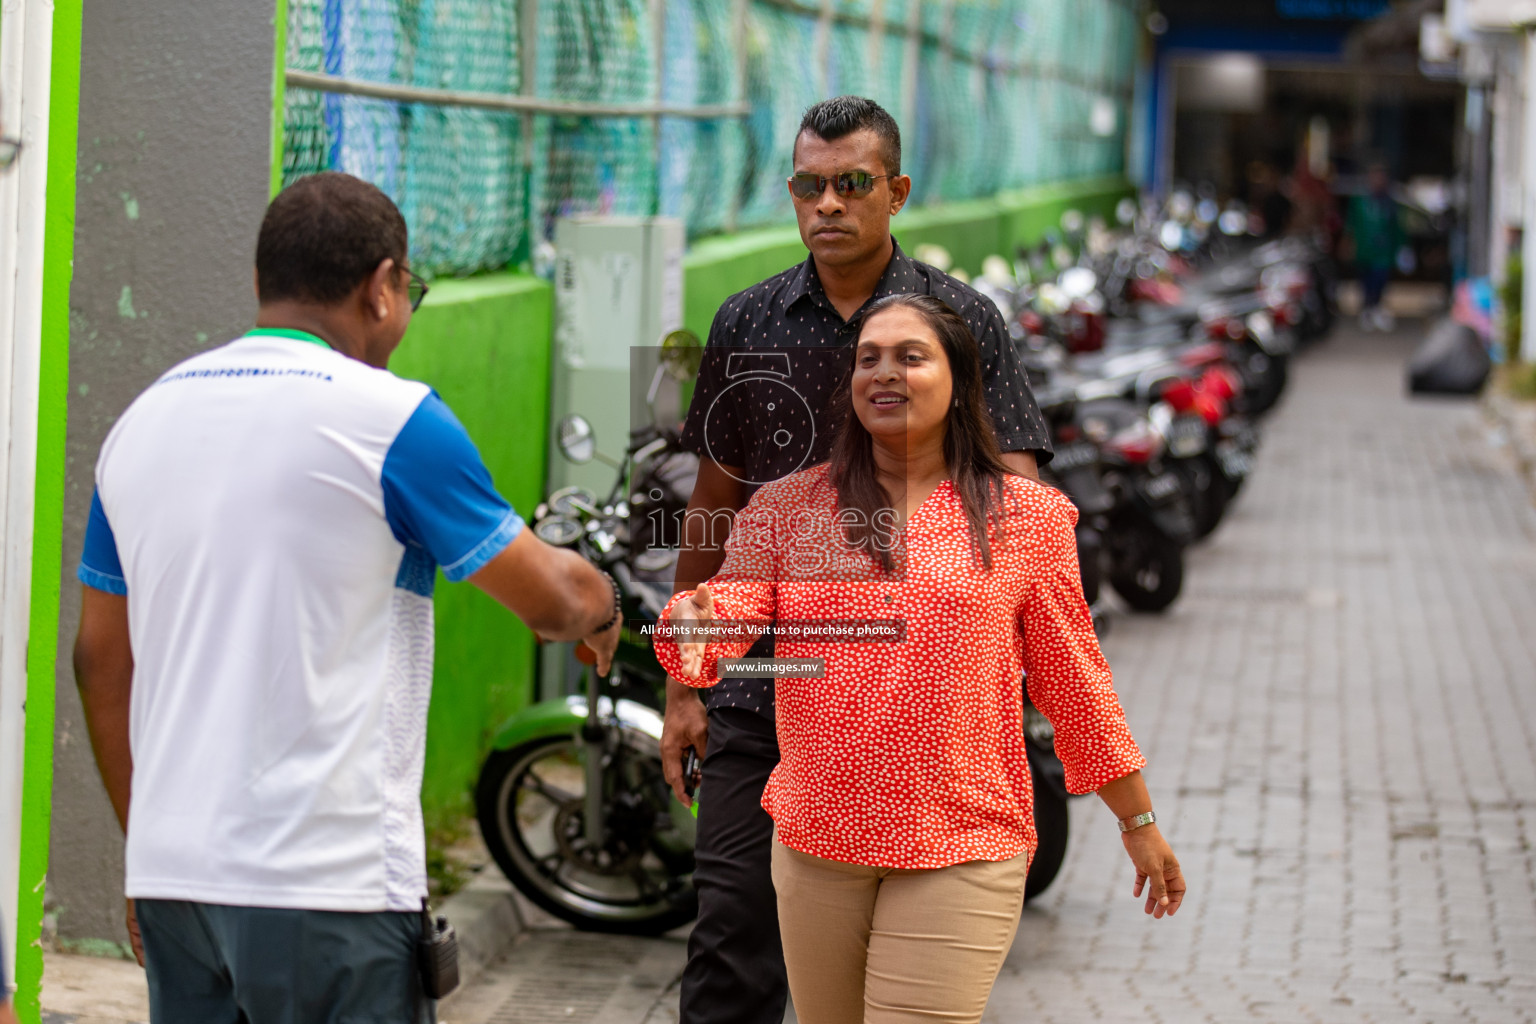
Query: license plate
[1235,462]
[1161,487]
[1187,437]
[1074,456]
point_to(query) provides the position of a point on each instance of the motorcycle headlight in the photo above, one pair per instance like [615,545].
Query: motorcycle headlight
[1097,429]
[1262,327]
[569,501]
[560,531]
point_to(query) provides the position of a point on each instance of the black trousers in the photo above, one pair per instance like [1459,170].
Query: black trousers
[735,972]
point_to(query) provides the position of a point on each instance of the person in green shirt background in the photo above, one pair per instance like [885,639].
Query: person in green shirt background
[1376,234]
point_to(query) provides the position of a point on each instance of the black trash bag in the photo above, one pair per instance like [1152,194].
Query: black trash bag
[1451,360]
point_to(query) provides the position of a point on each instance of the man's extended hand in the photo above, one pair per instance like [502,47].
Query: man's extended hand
[604,644]
[686,724]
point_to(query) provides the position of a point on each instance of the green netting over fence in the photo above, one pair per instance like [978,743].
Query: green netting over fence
[989,95]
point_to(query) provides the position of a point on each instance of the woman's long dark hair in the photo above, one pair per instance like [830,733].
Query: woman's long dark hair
[975,464]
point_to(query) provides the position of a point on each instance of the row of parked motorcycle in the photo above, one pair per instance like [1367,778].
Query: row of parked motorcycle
[1154,351]
[1154,347]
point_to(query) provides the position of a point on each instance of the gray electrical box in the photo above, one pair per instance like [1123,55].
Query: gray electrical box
[618,290]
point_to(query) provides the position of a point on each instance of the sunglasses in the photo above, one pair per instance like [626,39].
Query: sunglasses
[10,149]
[416,289]
[849,183]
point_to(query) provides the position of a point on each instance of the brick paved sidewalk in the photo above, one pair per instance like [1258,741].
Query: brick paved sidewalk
[1339,718]
[1339,715]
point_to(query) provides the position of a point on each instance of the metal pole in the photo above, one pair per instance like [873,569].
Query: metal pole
[658,10]
[528,76]
[501,101]
[823,49]
[914,56]
[876,37]
[1480,153]
[528,61]
[739,14]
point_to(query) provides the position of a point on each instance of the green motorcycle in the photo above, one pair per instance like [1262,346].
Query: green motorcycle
[572,801]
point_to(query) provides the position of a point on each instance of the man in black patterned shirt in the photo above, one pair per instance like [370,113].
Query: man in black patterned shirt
[762,410]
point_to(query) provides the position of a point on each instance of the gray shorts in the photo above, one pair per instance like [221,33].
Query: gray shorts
[214,964]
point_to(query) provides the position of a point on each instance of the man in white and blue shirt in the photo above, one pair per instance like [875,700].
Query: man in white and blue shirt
[255,649]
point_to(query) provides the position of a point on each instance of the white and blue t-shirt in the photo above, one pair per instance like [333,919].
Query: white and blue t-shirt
[276,513]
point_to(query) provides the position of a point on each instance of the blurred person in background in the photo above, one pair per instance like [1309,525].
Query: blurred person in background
[1314,213]
[846,186]
[1375,237]
[1267,194]
[255,646]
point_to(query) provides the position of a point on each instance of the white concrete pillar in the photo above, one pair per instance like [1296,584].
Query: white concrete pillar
[1528,203]
[26,47]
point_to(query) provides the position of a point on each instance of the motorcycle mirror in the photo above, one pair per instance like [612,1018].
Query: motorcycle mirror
[1078,282]
[681,354]
[934,255]
[575,438]
[1125,211]
[996,271]
[1072,221]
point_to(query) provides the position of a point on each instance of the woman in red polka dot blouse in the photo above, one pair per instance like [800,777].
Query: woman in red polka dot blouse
[902,800]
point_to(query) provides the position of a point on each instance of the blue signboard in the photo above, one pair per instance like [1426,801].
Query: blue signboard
[1331,10]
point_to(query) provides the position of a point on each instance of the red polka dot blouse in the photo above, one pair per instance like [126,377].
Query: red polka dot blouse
[910,754]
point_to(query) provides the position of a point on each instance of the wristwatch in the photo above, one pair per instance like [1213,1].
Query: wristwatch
[1136,821]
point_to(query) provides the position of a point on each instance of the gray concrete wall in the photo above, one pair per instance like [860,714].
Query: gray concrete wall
[175,157]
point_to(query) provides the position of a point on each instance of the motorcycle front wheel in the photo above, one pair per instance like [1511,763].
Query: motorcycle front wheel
[530,804]
[1269,382]
[1146,568]
[1050,808]
[1208,492]
[1051,826]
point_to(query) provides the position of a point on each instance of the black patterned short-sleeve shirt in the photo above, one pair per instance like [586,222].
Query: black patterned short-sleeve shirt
[776,354]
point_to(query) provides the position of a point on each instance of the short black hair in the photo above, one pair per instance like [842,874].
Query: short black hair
[843,115]
[323,236]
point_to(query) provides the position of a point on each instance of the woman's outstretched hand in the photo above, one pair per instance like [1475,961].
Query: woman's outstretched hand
[697,611]
[1157,870]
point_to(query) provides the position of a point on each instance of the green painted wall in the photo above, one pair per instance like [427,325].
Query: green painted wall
[484,344]
[48,501]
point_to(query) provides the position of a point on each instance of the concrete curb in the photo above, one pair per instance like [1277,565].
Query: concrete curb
[1517,420]
[488,917]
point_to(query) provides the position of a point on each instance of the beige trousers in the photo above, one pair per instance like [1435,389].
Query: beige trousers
[889,945]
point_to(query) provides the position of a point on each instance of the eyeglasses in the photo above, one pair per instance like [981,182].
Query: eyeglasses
[849,183]
[10,149]
[416,289]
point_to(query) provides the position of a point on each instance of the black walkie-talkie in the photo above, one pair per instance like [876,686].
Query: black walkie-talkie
[693,772]
[438,954]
